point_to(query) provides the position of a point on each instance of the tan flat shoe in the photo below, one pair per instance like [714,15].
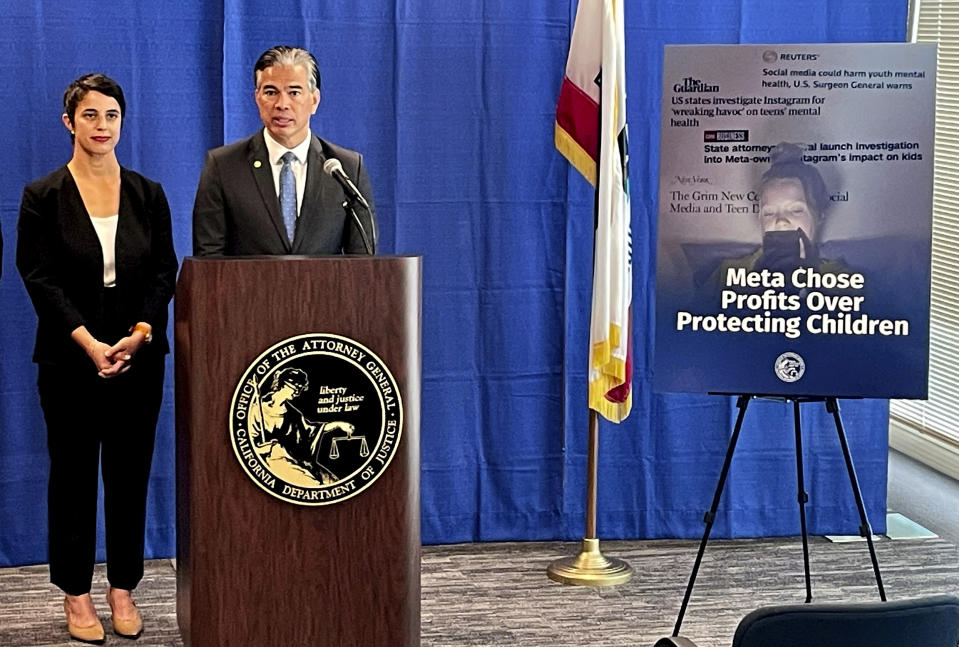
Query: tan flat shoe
[92,634]
[126,627]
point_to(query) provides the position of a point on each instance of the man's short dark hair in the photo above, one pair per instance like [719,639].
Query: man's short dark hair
[101,83]
[287,55]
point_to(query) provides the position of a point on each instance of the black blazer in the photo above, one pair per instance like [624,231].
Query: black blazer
[61,262]
[237,212]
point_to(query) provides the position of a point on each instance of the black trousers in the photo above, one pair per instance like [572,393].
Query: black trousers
[90,419]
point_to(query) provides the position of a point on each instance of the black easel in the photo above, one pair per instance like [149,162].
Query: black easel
[832,406]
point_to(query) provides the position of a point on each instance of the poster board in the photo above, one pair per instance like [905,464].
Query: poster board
[769,280]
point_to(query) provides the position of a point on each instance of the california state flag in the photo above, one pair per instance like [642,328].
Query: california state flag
[591,133]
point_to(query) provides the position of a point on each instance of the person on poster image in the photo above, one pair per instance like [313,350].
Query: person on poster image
[793,201]
[272,193]
[95,251]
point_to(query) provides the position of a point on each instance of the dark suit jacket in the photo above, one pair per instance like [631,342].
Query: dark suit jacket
[61,262]
[237,212]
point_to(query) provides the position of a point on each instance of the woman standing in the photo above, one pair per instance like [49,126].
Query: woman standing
[96,255]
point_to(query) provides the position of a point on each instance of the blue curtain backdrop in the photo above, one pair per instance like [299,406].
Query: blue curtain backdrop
[452,103]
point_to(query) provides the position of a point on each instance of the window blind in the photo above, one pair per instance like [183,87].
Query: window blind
[937,419]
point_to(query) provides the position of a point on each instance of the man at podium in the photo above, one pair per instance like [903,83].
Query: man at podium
[284,190]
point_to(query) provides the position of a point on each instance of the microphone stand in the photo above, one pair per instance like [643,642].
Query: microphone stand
[348,205]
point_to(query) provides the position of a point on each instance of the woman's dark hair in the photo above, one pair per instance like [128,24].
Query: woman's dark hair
[101,83]
[786,163]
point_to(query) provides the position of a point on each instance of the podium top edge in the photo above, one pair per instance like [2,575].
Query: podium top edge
[300,258]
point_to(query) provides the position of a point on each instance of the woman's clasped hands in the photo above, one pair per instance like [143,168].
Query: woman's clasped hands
[117,359]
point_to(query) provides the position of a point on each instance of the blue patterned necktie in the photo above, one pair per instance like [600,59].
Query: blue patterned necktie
[288,195]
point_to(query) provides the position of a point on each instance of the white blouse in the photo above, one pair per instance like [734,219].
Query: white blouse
[106,229]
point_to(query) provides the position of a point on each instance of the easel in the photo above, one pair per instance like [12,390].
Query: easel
[865,530]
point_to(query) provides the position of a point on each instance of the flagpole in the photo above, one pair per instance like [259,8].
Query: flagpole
[590,567]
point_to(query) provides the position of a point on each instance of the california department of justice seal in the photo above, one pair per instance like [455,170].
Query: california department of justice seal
[790,366]
[316,419]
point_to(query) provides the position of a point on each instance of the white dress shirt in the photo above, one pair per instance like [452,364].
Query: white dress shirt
[276,150]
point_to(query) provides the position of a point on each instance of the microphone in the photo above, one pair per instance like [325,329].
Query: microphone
[334,169]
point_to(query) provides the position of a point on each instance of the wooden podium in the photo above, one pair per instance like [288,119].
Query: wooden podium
[253,569]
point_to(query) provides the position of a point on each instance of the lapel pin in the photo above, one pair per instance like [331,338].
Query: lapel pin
[257,164]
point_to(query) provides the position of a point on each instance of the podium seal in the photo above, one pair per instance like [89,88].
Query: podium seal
[316,419]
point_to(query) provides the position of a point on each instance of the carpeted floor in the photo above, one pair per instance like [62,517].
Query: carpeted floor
[498,594]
